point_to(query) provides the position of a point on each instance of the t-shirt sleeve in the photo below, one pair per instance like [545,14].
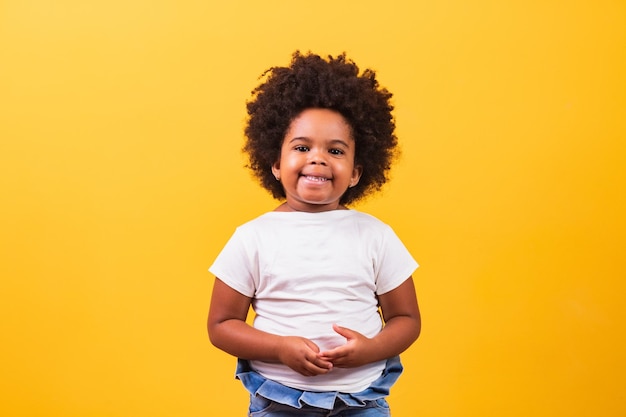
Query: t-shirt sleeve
[236,265]
[395,263]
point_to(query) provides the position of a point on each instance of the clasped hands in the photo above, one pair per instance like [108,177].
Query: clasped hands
[305,357]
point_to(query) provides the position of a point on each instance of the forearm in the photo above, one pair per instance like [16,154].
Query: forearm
[236,337]
[402,320]
[397,335]
[239,339]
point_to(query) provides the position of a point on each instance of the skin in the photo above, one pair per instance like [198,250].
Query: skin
[316,167]
[316,164]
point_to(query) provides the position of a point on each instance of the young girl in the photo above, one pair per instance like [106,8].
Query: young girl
[319,276]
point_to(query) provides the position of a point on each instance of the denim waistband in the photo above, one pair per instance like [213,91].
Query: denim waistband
[256,384]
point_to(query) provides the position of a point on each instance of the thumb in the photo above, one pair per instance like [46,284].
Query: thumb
[344,331]
[312,345]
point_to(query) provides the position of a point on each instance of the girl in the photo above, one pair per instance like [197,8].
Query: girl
[319,276]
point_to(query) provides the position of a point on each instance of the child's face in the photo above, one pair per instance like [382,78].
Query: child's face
[316,164]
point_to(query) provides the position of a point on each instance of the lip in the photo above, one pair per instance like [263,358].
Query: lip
[315,178]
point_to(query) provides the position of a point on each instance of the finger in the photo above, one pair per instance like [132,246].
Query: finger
[344,331]
[339,361]
[317,364]
[312,345]
[312,369]
[323,363]
[333,354]
[316,360]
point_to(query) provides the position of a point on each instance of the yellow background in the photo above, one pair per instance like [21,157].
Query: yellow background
[121,179]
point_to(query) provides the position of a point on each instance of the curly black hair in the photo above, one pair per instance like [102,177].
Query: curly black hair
[314,82]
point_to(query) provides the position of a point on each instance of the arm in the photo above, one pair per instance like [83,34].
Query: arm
[229,332]
[402,327]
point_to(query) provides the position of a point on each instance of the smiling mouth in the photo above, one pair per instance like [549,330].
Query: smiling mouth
[314,178]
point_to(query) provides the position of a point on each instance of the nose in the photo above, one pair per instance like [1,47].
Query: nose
[317,157]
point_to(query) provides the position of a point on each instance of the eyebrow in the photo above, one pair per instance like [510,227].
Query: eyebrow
[332,141]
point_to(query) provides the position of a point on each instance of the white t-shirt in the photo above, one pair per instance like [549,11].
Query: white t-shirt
[306,271]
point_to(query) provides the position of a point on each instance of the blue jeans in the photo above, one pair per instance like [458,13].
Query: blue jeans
[271,399]
[262,407]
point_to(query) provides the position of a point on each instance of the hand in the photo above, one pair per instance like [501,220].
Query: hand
[301,355]
[356,352]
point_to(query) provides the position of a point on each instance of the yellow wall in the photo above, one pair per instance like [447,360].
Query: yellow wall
[121,178]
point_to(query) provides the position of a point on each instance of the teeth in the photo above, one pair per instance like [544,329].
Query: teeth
[312,178]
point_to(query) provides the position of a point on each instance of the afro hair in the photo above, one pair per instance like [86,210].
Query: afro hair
[335,83]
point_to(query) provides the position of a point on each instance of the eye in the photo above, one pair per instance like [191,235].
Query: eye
[336,151]
[301,148]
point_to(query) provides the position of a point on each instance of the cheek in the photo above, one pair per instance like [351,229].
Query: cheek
[348,168]
[289,164]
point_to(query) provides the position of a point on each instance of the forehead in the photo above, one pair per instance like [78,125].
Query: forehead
[320,124]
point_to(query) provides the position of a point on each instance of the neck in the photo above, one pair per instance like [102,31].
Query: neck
[315,209]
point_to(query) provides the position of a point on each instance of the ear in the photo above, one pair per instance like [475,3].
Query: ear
[356,175]
[276,169]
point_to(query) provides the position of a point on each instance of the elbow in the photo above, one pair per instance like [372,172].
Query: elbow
[417,330]
[413,330]
[215,339]
[214,342]
[417,327]
[212,333]
[218,335]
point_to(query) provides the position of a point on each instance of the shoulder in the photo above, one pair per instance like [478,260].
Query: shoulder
[260,222]
[368,220]
[248,233]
